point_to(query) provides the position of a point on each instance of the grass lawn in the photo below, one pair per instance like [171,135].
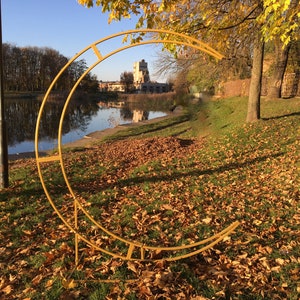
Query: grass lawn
[169,183]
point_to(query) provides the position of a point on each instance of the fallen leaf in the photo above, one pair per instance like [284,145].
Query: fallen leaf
[131,266]
[7,290]
[37,279]
[207,220]
[49,283]
[280,261]
[68,283]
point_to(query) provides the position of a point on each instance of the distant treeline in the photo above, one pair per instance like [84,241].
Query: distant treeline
[33,69]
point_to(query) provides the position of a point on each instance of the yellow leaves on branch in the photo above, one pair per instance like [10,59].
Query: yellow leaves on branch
[275,4]
[87,3]
[280,18]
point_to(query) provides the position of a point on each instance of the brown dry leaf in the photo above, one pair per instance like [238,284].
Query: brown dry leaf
[115,264]
[280,261]
[50,257]
[207,220]
[265,263]
[269,249]
[12,278]
[2,282]
[116,290]
[25,251]
[49,283]
[37,279]
[162,279]
[66,248]
[7,290]
[132,266]
[145,291]
[28,290]
[257,222]
[276,269]
[167,207]
[28,232]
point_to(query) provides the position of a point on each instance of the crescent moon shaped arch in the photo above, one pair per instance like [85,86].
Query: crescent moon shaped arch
[135,250]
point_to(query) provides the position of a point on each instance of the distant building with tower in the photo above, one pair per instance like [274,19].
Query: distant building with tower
[141,81]
[140,72]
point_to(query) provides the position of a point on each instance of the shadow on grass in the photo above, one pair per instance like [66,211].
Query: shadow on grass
[33,191]
[148,128]
[282,116]
[210,171]
[84,186]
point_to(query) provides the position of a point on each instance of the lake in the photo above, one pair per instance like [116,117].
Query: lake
[80,119]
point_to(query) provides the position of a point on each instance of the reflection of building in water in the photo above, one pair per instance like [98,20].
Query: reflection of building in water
[139,115]
[134,115]
[141,81]
[114,104]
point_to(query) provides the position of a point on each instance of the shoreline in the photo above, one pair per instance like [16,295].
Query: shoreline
[91,138]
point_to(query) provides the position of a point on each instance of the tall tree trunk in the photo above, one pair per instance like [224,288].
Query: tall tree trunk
[253,113]
[281,59]
[296,66]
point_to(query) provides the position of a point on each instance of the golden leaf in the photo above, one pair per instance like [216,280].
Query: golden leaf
[68,283]
[265,263]
[276,269]
[279,261]
[167,207]
[49,283]
[207,220]
[7,290]
[12,277]
[257,222]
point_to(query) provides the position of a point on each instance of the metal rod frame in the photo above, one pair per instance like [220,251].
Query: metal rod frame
[135,250]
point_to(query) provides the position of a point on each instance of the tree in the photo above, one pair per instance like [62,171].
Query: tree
[253,112]
[222,23]
[280,18]
[126,78]
[33,69]
[294,66]
[278,69]
[280,24]
[89,84]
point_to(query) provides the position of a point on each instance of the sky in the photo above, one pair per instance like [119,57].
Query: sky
[68,27]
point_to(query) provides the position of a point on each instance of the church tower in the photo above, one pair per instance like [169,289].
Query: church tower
[140,72]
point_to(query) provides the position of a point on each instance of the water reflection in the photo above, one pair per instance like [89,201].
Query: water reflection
[80,119]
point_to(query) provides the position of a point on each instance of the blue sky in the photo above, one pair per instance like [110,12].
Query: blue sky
[68,27]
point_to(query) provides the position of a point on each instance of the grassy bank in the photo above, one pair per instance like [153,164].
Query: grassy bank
[168,183]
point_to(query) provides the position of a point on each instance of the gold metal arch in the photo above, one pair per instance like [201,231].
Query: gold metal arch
[135,250]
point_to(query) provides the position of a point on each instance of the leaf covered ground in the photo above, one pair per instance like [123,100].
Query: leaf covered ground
[162,190]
